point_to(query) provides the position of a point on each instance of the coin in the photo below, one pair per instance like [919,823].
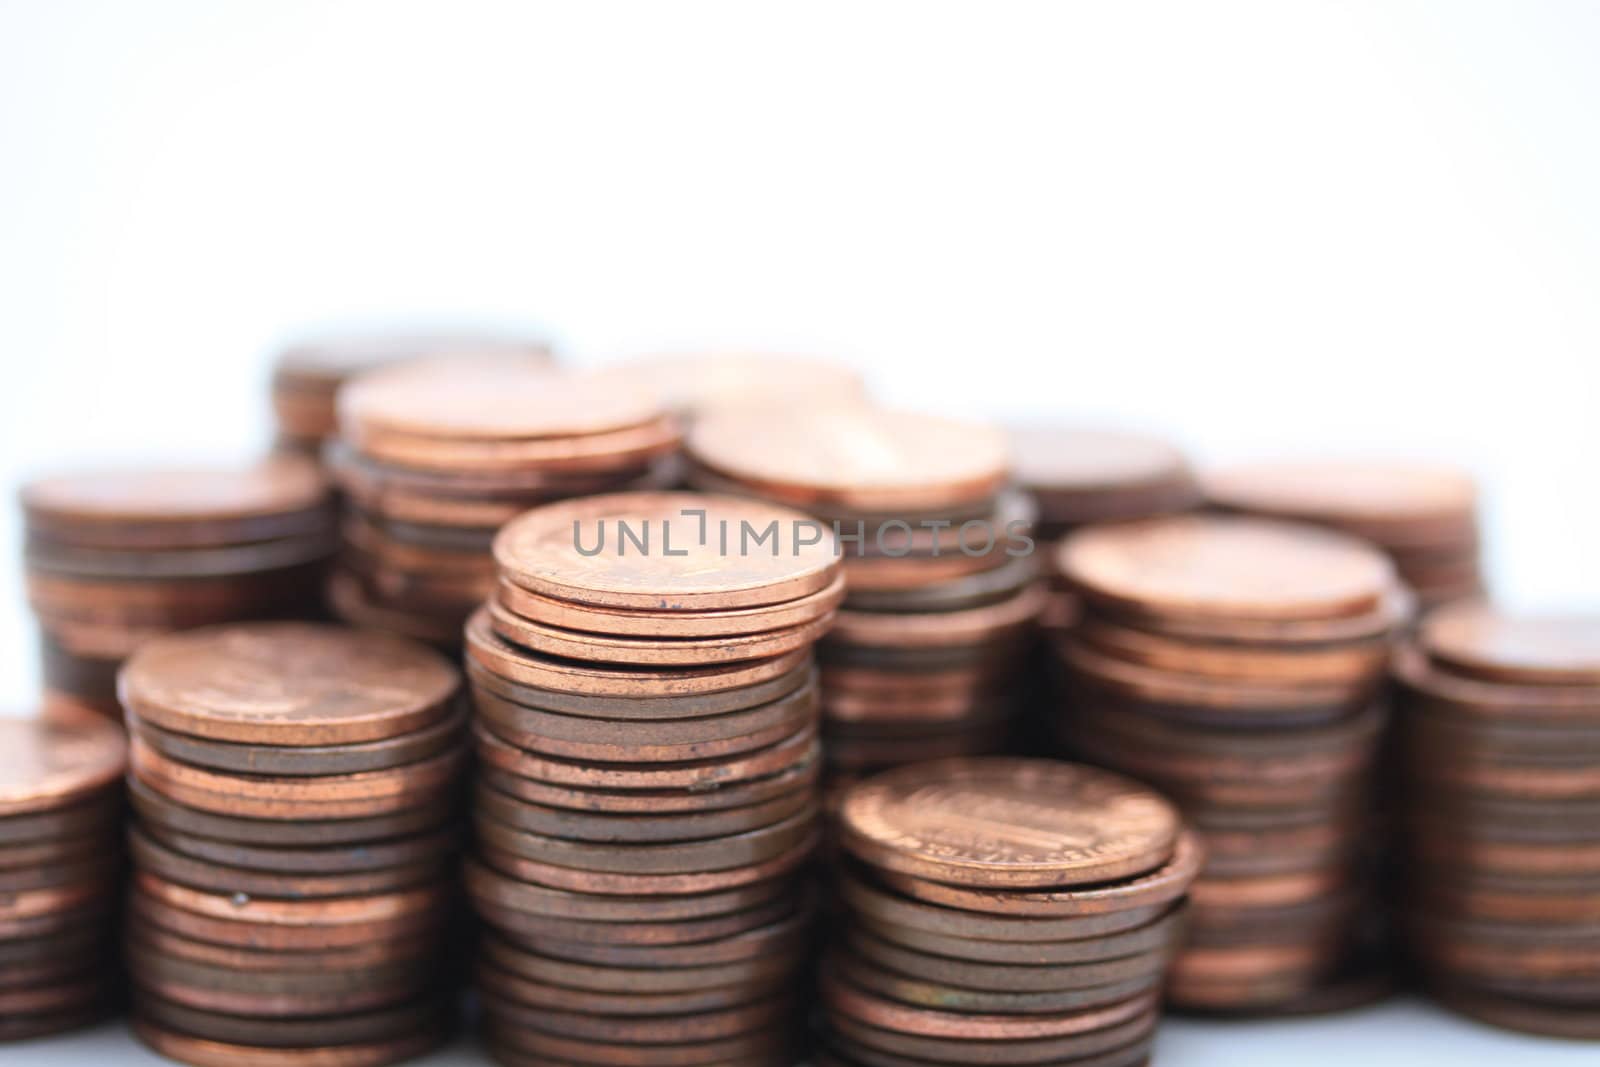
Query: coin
[569,615]
[755,975]
[203,1052]
[1472,639]
[690,383]
[940,995]
[50,764]
[1122,1044]
[314,1031]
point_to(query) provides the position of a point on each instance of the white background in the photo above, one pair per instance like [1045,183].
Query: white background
[1269,227]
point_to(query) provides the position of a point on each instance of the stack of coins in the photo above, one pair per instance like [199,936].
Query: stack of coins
[307,375]
[1004,911]
[117,557]
[435,456]
[938,559]
[1501,748]
[60,867]
[1425,517]
[693,384]
[1238,665]
[647,731]
[296,787]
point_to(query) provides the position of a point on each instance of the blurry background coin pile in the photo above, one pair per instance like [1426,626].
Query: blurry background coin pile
[307,375]
[694,384]
[1425,517]
[1003,911]
[923,660]
[1501,753]
[60,870]
[1237,665]
[296,787]
[647,803]
[118,556]
[435,455]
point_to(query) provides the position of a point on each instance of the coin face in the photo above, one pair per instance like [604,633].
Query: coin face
[288,683]
[1344,489]
[51,763]
[667,551]
[855,457]
[1210,566]
[1548,649]
[1008,823]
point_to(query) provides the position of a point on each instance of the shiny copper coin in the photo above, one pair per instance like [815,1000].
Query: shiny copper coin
[1008,823]
[351,600]
[49,764]
[1528,706]
[1382,499]
[1080,464]
[1208,566]
[323,915]
[570,615]
[755,975]
[705,556]
[1113,1046]
[328,1031]
[1318,664]
[887,574]
[645,706]
[622,451]
[288,683]
[292,558]
[1474,639]
[854,458]
[954,594]
[942,996]
[202,1052]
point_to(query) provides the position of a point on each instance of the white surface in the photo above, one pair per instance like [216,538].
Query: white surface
[1266,226]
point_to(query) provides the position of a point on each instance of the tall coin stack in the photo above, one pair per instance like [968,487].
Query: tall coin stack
[1238,664]
[435,456]
[1004,911]
[1424,516]
[1501,748]
[923,659]
[119,556]
[60,867]
[647,731]
[296,787]
[307,375]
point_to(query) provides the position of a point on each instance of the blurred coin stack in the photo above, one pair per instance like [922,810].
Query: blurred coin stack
[1003,911]
[297,789]
[647,732]
[937,557]
[119,556]
[307,375]
[693,384]
[1237,664]
[1425,517]
[1501,748]
[436,455]
[60,871]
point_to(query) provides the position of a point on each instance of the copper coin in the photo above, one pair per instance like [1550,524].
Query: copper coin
[854,458]
[1153,890]
[509,988]
[941,996]
[288,683]
[1528,706]
[648,652]
[635,1027]
[351,600]
[1153,937]
[691,383]
[51,998]
[570,615]
[490,888]
[644,706]
[785,937]
[704,554]
[270,993]
[647,741]
[759,1049]
[37,912]
[1234,567]
[611,936]
[102,866]
[62,946]
[1008,823]
[1531,650]
[934,629]
[1005,977]
[756,975]
[595,680]
[622,451]
[24,1027]
[1240,662]
[54,763]
[289,914]
[201,874]
[881,574]
[291,557]
[147,935]
[188,508]
[1374,496]
[1577,1021]
[631,884]
[1081,461]
[433,847]
[202,1052]
[1113,1046]
[55,852]
[243,933]
[954,594]
[353,1029]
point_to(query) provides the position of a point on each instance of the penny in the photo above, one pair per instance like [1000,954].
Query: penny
[1236,567]
[1006,977]
[968,591]
[146,934]
[693,383]
[249,933]
[610,936]
[102,866]
[647,652]
[642,707]
[1153,937]
[66,946]
[783,937]
[200,874]
[269,993]
[940,628]
[634,1027]
[627,883]
[1531,650]
[1124,1043]
[289,914]
[203,1052]
[853,458]
[288,683]
[875,906]
[1340,663]
[1532,706]
[890,574]
[571,615]
[1081,466]
[54,763]
[941,996]
[623,449]
[24,1027]
[1008,823]
[350,1029]
[506,987]
[433,847]
[755,975]
[537,1047]
[178,508]
[284,554]
[47,999]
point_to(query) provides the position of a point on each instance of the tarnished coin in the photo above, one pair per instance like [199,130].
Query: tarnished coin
[288,683]
[276,1032]
[1012,823]
[756,974]
[1123,1045]
[630,884]
[48,764]
[940,994]
[1474,639]
[1006,977]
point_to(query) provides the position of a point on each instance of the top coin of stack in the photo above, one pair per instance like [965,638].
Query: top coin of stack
[435,456]
[1238,664]
[1501,748]
[307,375]
[1004,911]
[1425,517]
[937,558]
[646,725]
[694,384]
[60,862]
[116,557]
